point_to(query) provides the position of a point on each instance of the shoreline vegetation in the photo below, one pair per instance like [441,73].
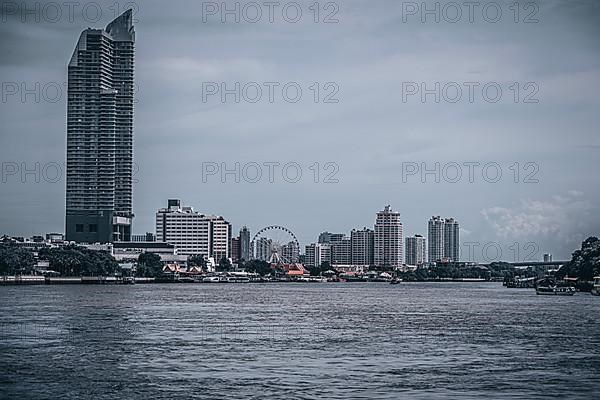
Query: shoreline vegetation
[73,264]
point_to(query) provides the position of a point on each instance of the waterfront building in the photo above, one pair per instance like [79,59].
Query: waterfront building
[99,161]
[263,248]
[148,237]
[388,240]
[245,250]
[415,250]
[435,239]
[341,251]
[451,240]
[290,252]
[362,244]
[443,239]
[328,237]
[235,250]
[193,233]
[547,257]
[317,253]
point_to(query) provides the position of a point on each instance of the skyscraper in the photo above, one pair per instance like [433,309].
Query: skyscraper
[362,243]
[444,239]
[388,241]
[451,240]
[245,244]
[415,250]
[100,134]
[435,239]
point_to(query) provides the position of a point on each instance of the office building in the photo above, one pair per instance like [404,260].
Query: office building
[415,250]
[100,134]
[388,241]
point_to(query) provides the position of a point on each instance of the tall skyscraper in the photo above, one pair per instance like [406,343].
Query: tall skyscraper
[415,250]
[328,237]
[100,134]
[435,239]
[444,239]
[245,244]
[451,240]
[362,244]
[388,242]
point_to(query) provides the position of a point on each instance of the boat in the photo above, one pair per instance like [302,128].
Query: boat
[210,279]
[395,281]
[129,280]
[596,286]
[547,286]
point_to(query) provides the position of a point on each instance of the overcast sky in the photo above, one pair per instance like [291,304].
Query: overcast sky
[371,61]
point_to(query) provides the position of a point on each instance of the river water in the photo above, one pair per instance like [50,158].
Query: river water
[297,341]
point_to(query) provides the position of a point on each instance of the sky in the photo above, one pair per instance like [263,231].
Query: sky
[488,114]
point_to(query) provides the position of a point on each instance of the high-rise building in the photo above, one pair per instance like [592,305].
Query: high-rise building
[100,134]
[362,245]
[435,239]
[415,250]
[388,242]
[341,251]
[443,239]
[245,244]
[193,233]
[451,240]
[235,249]
[328,237]
[263,248]
[317,253]
[290,252]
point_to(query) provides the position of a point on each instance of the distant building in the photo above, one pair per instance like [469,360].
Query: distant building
[435,239]
[263,248]
[317,253]
[130,251]
[235,250]
[341,251]
[362,246]
[291,252]
[193,233]
[55,237]
[443,239]
[388,242]
[415,250]
[148,237]
[328,237]
[547,257]
[451,240]
[245,251]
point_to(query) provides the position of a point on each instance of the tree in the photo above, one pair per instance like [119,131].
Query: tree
[258,267]
[585,262]
[149,265]
[224,265]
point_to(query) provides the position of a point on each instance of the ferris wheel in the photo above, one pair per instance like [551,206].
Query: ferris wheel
[276,245]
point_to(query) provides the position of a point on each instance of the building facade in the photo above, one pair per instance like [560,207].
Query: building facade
[435,239]
[388,241]
[362,246]
[451,240]
[341,251]
[100,102]
[415,250]
[193,233]
[245,250]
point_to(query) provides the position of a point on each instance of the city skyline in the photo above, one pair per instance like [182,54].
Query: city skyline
[555,213]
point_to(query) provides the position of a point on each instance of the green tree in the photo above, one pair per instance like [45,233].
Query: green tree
[197,260]
[149,265]
[224,265]
[258,267]
[585,262]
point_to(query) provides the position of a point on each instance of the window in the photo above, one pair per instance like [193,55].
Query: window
[78,228]
[93,228]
